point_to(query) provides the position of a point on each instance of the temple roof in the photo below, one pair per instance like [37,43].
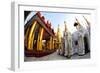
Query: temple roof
[41,20]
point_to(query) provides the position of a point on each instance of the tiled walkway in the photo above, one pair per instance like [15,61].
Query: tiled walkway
[55,56]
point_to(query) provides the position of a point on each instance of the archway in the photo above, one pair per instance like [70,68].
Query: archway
[86,44]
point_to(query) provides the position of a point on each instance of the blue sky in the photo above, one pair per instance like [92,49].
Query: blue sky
[59,18]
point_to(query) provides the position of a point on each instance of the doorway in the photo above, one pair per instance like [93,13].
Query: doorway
[86,44]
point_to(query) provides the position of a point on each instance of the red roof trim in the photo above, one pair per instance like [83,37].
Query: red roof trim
[42,18]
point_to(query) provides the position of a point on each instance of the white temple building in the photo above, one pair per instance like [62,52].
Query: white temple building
[81,39]
[67,42]
[76,43]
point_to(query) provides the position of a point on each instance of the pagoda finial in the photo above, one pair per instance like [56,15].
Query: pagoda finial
[58,34]
[38,12]
[58,28]
[86,20]
[65,25]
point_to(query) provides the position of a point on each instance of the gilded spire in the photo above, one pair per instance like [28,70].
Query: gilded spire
[58,28]
[58,34]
